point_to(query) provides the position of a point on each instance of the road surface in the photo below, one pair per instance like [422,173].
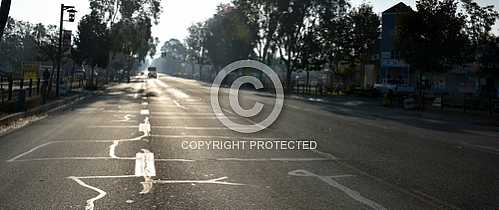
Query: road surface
[144,145]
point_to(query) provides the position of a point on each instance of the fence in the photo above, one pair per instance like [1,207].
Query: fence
[10,89]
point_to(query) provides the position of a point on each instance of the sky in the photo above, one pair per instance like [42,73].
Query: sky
[177,16]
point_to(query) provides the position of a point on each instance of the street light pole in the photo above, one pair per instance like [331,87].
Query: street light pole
[59,52]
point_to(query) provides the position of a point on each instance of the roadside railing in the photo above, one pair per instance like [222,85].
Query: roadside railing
[10,89]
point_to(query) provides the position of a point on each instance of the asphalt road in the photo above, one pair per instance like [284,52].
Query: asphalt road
[134,147]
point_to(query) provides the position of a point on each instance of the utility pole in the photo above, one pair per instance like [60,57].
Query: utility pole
[59,52]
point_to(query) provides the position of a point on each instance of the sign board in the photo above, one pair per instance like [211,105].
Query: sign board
[67,41]
[31,71]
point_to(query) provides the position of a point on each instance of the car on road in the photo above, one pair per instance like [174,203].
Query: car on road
[153,73]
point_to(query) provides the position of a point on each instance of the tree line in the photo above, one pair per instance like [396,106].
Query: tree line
[317,34]
[116,36]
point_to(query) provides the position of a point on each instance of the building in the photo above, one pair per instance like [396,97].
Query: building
[393,70]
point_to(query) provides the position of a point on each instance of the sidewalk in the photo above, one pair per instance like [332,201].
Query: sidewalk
[374,108]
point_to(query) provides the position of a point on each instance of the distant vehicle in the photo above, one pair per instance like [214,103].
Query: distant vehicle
[153,73]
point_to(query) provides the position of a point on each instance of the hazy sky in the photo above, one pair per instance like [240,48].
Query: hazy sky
[177,16]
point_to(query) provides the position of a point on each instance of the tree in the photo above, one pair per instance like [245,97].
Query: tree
[483,49]
[264,15]
[129,23]
[173,55]
[92,42]
[432,38]
[335,32]
[292,26]
[229,36]
[174,49]
[364,35]
[195,42]
[23,41]
[479,21]
[4,15]
[47,40]
[310,56]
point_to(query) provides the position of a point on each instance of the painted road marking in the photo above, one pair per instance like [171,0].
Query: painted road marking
[29,151]
[185,114]
[145,128]
[179,106]
[210,181]
[112,149]
[330,180]
[126,118]
[193,117]
[176,93]
[144,164]
[189,128]
[90,202]
[144,112]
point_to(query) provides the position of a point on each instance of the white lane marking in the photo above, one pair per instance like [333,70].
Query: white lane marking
[112,149]
[174,160]
[145,128]
[90,202]
[176,93]
[190,128]
[325,154]
[185,114]
[106,177]
[244,118]
[144,164]
[29,151]
[219,137]
[192,117]
[144,112]
[145,103]
[126,118]
[144,98]
[181,160]
[210,181]
[136,95]
[330,180]
[114,126]
[75,158]
[179,105]
[275,159]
